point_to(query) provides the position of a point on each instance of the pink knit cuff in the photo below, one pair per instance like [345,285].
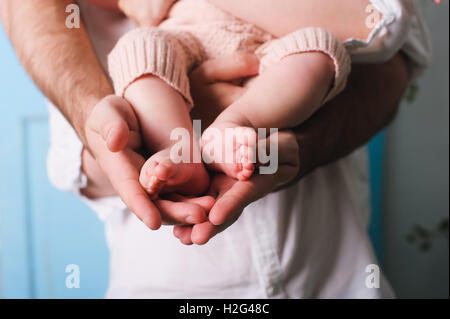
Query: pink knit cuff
[146,51]
[310,40]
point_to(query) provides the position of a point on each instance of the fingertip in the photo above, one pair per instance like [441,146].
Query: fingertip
[186,242]
[216,216]
[176,231]
[154,226]
[141,205]
[199,239]
[215,219]
[153,222]
[185,236]
[202,233]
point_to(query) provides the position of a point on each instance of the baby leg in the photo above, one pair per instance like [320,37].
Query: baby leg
[160,110]
[149,68]
[300,74]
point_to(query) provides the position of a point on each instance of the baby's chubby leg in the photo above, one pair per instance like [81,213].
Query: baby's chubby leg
[160,109]
[286,94]
[283,96]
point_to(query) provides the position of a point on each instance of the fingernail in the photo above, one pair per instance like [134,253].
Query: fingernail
[189,220]
[176,232]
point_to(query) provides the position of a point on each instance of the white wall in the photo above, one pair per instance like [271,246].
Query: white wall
[417,175]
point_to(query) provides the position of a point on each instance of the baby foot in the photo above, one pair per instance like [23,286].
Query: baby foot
[161,174]
[231,150]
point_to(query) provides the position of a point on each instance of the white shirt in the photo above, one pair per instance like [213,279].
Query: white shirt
[308,241]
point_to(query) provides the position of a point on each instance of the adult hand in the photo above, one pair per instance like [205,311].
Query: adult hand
[146,12]
[232,196]
[113,136]
[214,88]
[349,121]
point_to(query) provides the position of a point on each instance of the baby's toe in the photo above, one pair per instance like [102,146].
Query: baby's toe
[246,136]
[166,169]
[245,165]
[245,173]
[149,181]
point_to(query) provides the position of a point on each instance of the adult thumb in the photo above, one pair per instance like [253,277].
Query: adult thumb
[109,120]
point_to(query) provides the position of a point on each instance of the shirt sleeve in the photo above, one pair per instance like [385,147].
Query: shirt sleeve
[401,28]
[418,45]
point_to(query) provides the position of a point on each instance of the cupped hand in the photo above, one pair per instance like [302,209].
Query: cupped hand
[232,196]
[113,137]
[215,85]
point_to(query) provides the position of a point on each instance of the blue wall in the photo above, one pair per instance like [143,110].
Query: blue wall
[41,229]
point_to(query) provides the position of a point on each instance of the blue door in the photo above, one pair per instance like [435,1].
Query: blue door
[42,230]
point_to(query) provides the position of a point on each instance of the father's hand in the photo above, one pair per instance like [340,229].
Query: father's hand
[232,196]
[369,103]
[214,88]
[113,137]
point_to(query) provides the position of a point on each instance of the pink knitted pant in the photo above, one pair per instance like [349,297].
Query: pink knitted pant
[196,31]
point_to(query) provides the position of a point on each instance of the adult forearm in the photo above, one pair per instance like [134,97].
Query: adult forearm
[367,105]
[60,60]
